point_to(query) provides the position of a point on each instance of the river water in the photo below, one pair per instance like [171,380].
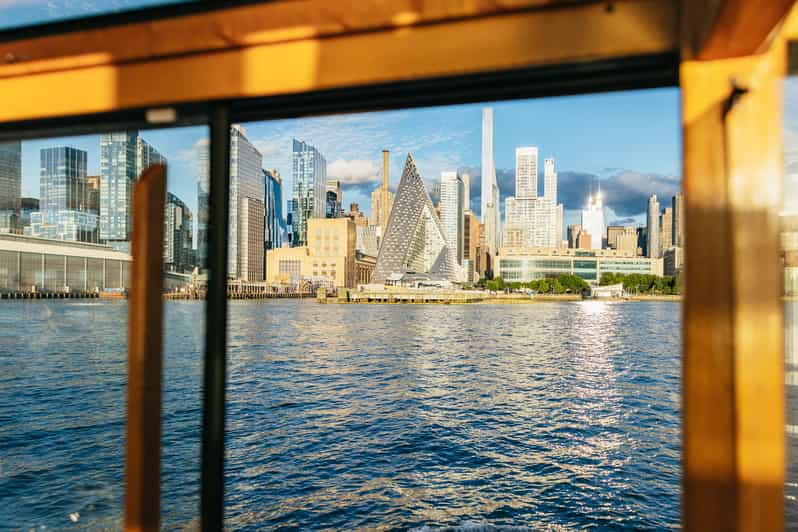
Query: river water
[559,415]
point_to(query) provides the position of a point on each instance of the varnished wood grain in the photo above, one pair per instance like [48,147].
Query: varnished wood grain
[145,354]
[733,381]
[234,57]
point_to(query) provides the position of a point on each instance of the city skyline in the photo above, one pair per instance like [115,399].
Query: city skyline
[646,159]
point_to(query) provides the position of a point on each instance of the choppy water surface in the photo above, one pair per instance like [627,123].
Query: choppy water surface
[357,416]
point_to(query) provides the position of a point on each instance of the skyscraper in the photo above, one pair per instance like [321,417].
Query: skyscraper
[414,239]
[559,224]
[64,198]
[117,174]
[203,194]
[178,235]
[593,220]
[666,229]
[652,228]
[466,178]
[613,232]
[146,156]
[452,197]
[10,175]
[470,244]
[246,181]
[549,180]
[382,197]
[334,197]
[63,183]
[532,221]
[309,169]
[250,239]
[526,172]
[573,235]
[274,223]
[123,156]
[491,217]
[677,203]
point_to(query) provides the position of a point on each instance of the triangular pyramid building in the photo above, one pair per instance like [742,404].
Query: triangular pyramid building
[413,241]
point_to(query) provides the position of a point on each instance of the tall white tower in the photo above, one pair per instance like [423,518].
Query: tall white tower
[652,228]
[526,172]
[550,181]
[452,212]
[487,161]
[490,191]
[593,220]
[466,178]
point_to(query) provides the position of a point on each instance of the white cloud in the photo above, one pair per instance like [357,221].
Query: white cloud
[353,172]
[269,148]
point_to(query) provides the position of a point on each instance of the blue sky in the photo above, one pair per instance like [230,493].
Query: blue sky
[25,12]
[630,141]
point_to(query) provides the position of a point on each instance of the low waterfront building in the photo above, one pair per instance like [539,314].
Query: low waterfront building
[330,255]
[528,264]
[30,264]
[607,291]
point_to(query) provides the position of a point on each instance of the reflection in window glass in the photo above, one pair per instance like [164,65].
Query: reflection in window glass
[552,411]
[16,13]
[65,226]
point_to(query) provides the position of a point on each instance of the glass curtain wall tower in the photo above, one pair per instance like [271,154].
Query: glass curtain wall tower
[274,224]
[309,171]
[203,195]
[123,157]
[10,185]
[66,210]
[178,250]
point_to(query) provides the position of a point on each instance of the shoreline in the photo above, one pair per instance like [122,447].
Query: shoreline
[388,299]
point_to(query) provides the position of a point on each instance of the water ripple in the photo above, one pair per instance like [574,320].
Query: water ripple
[551,416]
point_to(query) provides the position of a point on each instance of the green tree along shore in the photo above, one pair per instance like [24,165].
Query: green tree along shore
[634,283]
[553,285]
[638,283]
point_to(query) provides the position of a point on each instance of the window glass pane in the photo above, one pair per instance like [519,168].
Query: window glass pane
[16,13]
[65,227]
[789,244]
[526,404]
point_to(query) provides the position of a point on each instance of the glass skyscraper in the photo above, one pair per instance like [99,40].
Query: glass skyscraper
[10,184]
[309,169]
[274,222]
[117,174]
[65,210]
[203,193]
[123,157]
[178,235]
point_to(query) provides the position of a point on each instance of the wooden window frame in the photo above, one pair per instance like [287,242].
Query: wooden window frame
[733,458]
